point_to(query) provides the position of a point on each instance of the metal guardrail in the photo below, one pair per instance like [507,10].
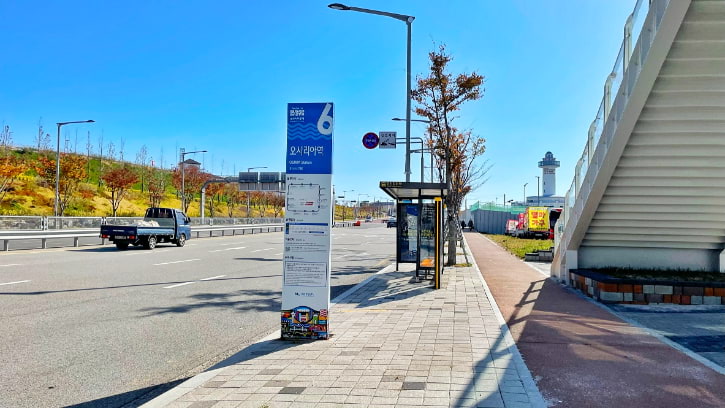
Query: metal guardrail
[7,236]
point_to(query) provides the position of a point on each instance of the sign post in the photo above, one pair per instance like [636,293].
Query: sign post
[308,219]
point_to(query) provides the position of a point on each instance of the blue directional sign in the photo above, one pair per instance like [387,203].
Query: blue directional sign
[370,140]
[309,138]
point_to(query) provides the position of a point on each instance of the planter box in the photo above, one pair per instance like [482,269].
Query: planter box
[608,289]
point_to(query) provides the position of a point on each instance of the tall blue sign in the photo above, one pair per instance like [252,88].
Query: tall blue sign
[308,221]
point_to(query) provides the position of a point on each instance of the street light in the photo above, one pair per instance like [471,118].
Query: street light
[248,170]
[422,151]
[183,191]
[538,197]
[525,184]
[57,163]
[357,212]
[408,21]
[344,196]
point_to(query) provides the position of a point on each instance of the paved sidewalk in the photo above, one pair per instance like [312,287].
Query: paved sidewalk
[581,354]
[395,343]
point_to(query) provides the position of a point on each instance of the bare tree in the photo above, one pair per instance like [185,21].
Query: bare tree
[6,137]
[142,161]
[111,150]
[39,137]
[89,150]
[100,156]
[121,145]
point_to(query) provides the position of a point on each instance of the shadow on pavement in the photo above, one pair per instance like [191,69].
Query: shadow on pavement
[259,259]
[130,399]
[253,300]
[47,292]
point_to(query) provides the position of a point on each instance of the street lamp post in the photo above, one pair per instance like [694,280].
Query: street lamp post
[409,22]
[422,151]
[248,170]
[57,163]
[525,184]
[538,197]
[344,197]
[357,211]
[183,191]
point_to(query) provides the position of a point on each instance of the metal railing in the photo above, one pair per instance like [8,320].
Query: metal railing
[6,237]
[641,25]
[44,223]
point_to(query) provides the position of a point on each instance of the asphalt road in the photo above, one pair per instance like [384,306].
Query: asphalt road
[95,326]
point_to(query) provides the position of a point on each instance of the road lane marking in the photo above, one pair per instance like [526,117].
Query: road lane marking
[227,249]
[177,285]
[278,254]
[265,249]
[213,277]
[13,283]
[175,262]
[6,265]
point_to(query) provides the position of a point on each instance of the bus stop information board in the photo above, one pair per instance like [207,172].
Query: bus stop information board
[308,218]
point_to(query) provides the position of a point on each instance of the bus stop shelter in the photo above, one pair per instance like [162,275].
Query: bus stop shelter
[419,233]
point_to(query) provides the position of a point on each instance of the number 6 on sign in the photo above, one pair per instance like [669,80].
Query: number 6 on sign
[325,118]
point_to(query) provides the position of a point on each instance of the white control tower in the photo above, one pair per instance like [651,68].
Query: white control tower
[549,165]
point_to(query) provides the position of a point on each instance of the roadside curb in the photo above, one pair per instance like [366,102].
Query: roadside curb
[192,383]
[536,398]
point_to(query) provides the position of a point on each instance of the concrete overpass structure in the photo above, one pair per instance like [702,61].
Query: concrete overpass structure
[649,188]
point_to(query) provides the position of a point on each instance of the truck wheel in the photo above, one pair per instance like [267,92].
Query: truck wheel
[181,241]
[151,242]
[122,245]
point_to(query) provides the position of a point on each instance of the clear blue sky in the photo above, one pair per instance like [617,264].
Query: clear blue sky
[217,76]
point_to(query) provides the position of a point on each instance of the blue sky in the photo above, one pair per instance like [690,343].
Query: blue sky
[217,75]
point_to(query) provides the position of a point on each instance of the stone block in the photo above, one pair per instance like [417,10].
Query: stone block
[628,297]
[648,288]
[676,299]
[667,299]
[625,288]
[654,298]
[719,291]
[609,287]
[711,300]
[693,291]
[696,300]
[677,290]
[639,297]
[663,290]
[637,288]
[610,296]
[685,300]
[709,292]
[590,290]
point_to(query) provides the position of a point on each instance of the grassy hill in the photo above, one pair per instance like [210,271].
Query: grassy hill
[30,194]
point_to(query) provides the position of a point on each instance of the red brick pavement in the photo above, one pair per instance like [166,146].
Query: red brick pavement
[580,354]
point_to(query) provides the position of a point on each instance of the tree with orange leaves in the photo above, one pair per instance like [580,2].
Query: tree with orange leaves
[276,202]
[156,183]
[119,181]
[72,172]
[194,178]
[233,197]
[438,96]
[10,168]
[214,193]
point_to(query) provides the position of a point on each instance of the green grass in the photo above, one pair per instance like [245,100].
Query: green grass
[520,246]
